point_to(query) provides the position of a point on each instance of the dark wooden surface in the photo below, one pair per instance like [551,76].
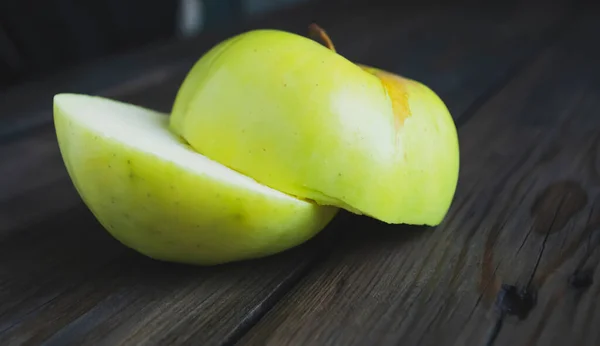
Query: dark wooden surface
[514,263]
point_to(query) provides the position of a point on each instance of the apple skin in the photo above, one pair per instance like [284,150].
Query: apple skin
[302,119]
[157,196]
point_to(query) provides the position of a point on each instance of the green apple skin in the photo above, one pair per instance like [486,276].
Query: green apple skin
[157,196]
[304,120]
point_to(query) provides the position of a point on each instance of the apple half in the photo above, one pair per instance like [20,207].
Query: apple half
[158,196]
[299,117]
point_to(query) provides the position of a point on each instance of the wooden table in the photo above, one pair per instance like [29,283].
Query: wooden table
[516,262]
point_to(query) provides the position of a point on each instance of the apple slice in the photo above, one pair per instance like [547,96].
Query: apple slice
[158,196]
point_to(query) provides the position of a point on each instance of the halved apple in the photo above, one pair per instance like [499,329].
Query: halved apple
[158,196]
[302,119]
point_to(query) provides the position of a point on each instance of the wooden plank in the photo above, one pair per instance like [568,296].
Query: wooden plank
[516,262]
[81,287]
[77,285]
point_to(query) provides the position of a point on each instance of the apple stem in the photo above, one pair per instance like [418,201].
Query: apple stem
[318,33]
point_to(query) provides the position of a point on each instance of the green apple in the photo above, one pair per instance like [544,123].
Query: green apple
[156,195]
[298,117]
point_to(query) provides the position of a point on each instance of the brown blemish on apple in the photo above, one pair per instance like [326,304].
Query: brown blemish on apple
[394,85]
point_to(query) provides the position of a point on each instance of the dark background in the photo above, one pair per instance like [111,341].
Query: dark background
[38,37]
[41,36]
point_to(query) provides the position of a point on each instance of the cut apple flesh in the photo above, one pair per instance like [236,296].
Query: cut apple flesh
[156,195]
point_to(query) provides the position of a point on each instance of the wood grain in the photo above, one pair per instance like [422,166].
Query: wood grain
[65,281]
[515,262]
